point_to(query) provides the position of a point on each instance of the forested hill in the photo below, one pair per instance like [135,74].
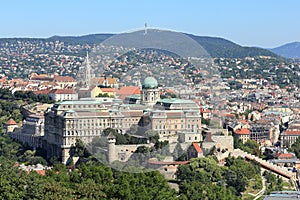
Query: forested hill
[220,48]
[290,50]
[216,47]
[85,39]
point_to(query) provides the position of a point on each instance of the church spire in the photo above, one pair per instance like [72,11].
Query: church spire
[87,71]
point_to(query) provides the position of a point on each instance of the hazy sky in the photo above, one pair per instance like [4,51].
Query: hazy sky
[264,23]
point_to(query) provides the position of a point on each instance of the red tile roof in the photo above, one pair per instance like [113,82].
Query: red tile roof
[40,172]
[62,91]
[242,131]
[291,132]
[11,122]
[108,89]
[41,77]
[63,79]
[205,111]
[229,115]
[197,147]
[285,155]
[125,91]
[41,92]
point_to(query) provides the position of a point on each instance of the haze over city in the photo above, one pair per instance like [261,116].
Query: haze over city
[266,24]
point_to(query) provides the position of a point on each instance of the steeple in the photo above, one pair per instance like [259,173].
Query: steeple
[87,71]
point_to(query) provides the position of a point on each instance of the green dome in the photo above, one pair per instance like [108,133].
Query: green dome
[150,83]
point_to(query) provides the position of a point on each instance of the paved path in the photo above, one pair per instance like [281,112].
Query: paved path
[262,191]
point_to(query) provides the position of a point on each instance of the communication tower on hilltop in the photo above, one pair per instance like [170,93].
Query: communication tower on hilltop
[145,33]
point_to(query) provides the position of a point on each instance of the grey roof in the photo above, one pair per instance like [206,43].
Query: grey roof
[283,195]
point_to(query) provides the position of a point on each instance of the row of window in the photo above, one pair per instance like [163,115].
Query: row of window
[182,121]
[82,106]
[189,126]
[84,132]
[101,120]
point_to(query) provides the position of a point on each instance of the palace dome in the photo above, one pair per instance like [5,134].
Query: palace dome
[150,83]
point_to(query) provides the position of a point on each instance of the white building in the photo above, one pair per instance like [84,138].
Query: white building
[63,94]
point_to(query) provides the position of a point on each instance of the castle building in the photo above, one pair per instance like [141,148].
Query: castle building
[170,122]
[85,119]
[32,131]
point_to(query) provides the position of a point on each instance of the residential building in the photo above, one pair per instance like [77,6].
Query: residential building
[63,94]
[89,92]
[194,151]
[111,92]
[64,81]
[242,134]
[105,82]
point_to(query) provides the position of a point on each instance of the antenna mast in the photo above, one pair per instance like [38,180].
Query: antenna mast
[145,29]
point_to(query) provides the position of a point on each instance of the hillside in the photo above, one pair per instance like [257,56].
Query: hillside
[219,47]
[85,39]
[290,50]
[216,47]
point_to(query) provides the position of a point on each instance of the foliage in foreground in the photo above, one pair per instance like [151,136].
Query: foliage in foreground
[89,181]
[204,179]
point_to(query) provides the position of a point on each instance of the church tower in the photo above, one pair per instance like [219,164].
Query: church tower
[87,74]
[150,92]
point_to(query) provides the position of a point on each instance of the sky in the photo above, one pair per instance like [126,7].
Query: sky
[262,23]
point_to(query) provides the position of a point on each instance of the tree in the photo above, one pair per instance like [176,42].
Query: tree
[207,191]
[178,153]
[238,173]
[80,149]
[295,148]
[149,185]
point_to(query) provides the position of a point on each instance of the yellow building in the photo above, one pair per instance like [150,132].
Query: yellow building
[91,92]
[109,92]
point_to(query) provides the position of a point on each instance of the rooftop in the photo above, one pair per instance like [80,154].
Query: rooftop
[197,147]
[242,131]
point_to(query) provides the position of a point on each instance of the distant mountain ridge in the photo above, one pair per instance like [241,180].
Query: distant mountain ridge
[216,47]
[88,39]
[290,50]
